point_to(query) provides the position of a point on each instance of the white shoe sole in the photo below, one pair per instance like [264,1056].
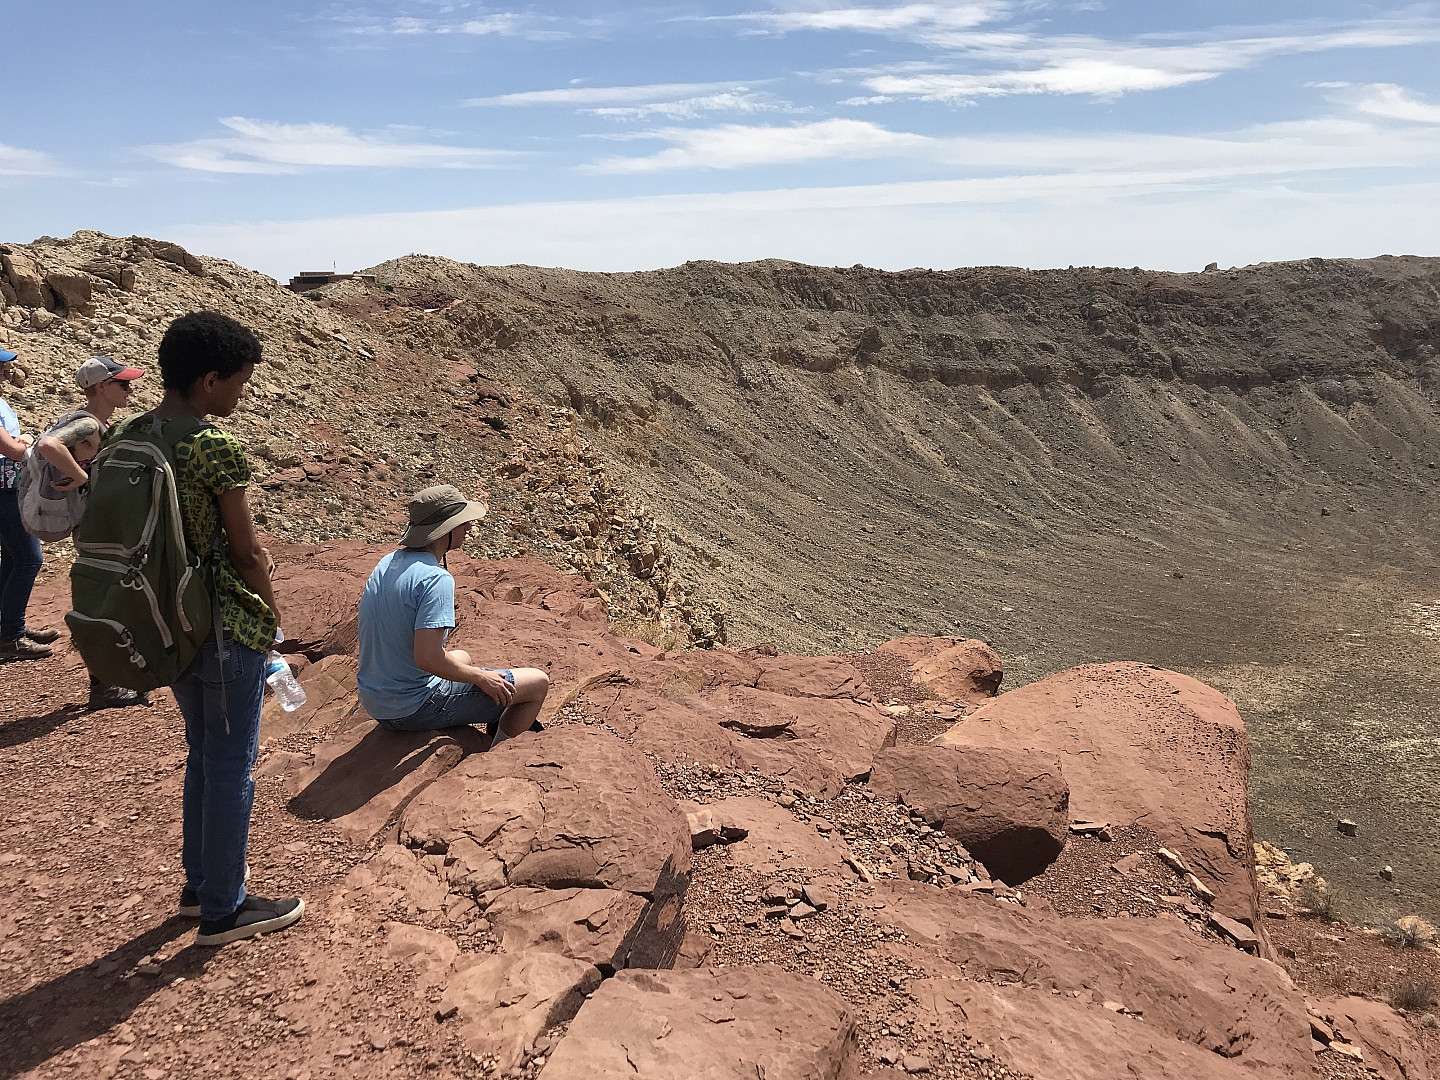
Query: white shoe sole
[255,929]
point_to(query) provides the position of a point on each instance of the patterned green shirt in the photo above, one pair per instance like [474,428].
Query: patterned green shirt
[208,464]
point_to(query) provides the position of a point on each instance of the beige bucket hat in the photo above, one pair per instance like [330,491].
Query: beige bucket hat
[435,511]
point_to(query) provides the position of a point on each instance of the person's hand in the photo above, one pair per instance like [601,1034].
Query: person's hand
[26,441]
[495,686]
[269,563]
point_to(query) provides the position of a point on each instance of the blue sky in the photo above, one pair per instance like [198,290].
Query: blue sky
[612,137]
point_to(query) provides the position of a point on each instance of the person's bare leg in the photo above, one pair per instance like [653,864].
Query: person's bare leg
[460,656]
[531,686]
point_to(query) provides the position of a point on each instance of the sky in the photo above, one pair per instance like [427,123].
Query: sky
[608,136]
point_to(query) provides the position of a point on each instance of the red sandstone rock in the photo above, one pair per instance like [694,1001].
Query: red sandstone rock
[362,778]
[776,842]
[568,809]
[709,1024]
[1387,1041]
[329,696]
[594,925]
[955,669]
[1140,744]
[1009,808]
[1201,1008]
[501,1003]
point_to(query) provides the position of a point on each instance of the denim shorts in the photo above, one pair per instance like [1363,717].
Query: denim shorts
[454,704]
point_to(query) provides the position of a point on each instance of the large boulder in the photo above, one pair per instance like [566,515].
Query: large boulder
[1139,744]
[814,744]
[954,669]
[173,253]
[777,842]
[1047,993]
[72,288]
[568,809]
[1009,808]
[27,280]
[735,1023]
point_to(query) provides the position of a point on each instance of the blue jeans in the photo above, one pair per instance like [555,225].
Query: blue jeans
[219,792]
[453,704]
[19,564]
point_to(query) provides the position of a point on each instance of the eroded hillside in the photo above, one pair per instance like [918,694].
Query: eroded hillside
[1231,474]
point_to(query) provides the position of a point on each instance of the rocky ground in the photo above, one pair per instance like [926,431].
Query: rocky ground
[778,879]
[1230,474]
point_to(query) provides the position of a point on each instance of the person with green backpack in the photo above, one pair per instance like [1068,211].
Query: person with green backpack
[142,607]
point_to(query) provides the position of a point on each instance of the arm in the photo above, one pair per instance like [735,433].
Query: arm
[251,560]
[14,448]
[431,656]
[58,454]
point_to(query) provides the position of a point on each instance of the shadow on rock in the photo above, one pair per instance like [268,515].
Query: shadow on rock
[655,941]
[379,762]
[87,1002]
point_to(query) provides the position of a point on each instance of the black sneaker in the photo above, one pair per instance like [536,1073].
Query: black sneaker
[43,637]
[114,697]
[189,906]
[255,916]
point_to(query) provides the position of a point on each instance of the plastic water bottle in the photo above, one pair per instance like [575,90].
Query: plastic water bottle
[281,681]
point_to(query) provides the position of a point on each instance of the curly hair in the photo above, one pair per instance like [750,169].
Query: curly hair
[202,342]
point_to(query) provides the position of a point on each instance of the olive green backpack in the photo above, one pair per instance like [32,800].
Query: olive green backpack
[142,601]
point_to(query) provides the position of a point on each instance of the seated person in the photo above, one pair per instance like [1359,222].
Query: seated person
[408,680]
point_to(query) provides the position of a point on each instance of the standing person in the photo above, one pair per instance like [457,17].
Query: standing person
[205,361]
[20,555]
[71,443]
[408,680]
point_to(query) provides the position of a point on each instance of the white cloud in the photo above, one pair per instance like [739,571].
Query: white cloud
[486,24]
[1101,78]
[673,101]
[258,146]
[734,101]
[1025,63]
[879,20]
[1387,100]
[735,146]
[15,161]
[1159,221]
[1292,147]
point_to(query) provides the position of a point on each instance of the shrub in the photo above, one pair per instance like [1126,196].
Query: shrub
[1412,996]
[1316,897]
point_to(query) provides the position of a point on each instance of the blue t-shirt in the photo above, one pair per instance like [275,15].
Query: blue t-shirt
[408,591]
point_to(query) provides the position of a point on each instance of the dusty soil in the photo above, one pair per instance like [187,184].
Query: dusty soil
[100,977]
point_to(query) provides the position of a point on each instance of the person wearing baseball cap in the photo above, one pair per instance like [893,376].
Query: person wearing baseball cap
[408,679]
[71,443]
[99,369]
[20,555]
[73,440]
